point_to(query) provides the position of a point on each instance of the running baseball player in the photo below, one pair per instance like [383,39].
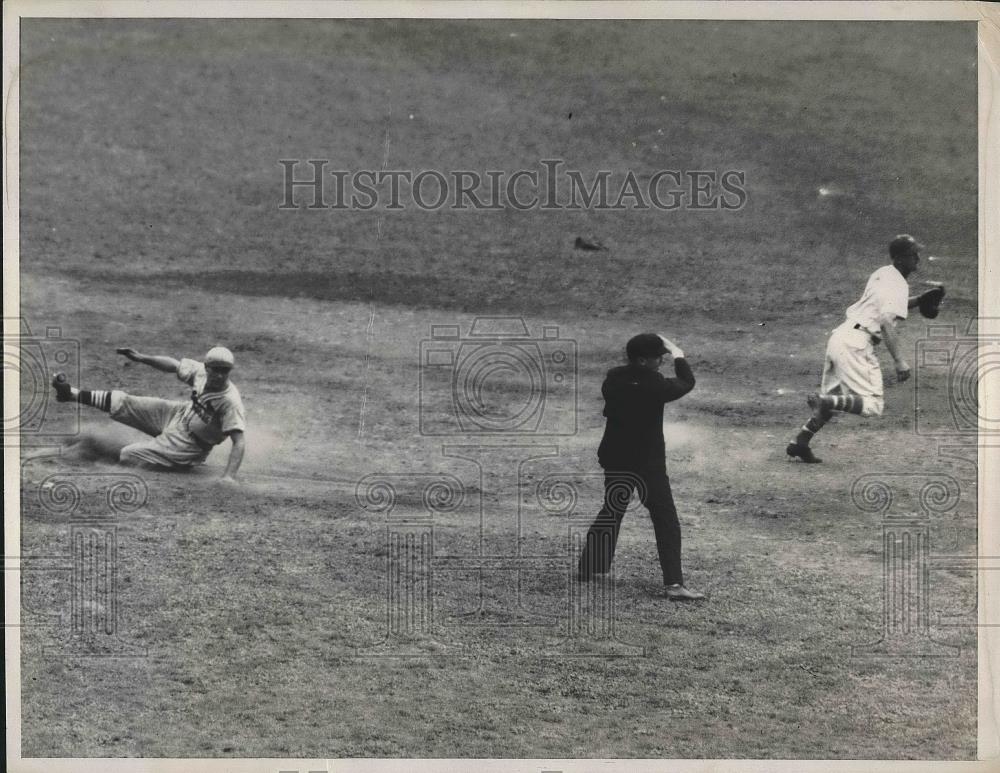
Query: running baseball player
[852,376]
[181,433]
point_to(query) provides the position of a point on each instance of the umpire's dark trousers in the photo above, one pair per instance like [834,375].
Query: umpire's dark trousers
[653,488]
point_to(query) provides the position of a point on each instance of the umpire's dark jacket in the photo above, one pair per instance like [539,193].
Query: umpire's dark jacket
[633,404]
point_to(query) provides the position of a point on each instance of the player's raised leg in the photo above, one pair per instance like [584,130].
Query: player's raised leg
[146,414]
[67,393]
[849,403]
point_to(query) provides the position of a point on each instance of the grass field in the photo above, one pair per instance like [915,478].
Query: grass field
[150,192]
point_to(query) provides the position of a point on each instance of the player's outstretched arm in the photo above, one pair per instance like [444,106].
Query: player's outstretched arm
[158,361]
[235,455]
[891,338]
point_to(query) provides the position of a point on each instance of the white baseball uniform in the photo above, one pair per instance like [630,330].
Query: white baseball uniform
[851,365]
[183,432]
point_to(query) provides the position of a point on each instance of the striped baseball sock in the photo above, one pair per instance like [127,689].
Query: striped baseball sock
[845,403]
[810,428]
[98,398]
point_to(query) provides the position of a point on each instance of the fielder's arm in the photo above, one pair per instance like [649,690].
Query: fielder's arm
[160,362]
[235,455]
[891,338]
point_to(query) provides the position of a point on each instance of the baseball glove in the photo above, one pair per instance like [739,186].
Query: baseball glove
[929,302]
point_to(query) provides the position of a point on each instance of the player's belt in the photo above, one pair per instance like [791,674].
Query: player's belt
[875,338]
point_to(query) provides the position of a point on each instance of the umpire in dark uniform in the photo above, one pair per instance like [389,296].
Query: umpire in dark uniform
[633,456]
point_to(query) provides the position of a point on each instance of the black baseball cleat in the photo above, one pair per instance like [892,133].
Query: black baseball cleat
[589,245]
[802,452]
[680,593]
[64,390]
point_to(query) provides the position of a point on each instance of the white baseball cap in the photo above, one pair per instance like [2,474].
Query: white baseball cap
[219,355]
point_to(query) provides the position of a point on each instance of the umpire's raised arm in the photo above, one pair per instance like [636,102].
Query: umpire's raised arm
[683,382]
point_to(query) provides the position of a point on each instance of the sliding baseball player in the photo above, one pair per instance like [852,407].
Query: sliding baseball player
[182,433]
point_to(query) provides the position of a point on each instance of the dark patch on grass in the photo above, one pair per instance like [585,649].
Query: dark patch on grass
[381,287]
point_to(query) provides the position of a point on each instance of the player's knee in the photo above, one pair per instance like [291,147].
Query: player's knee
[872,406]
[118,398]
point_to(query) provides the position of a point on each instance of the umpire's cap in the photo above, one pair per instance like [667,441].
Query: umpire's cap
[903,245]
[220,356]
[645,345]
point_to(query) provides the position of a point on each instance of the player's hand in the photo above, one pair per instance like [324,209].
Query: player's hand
[129,352]
[673,349]
[902,371]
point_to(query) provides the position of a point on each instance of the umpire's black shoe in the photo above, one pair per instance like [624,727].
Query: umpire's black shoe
[680,593]
[64,390]
[802,452]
